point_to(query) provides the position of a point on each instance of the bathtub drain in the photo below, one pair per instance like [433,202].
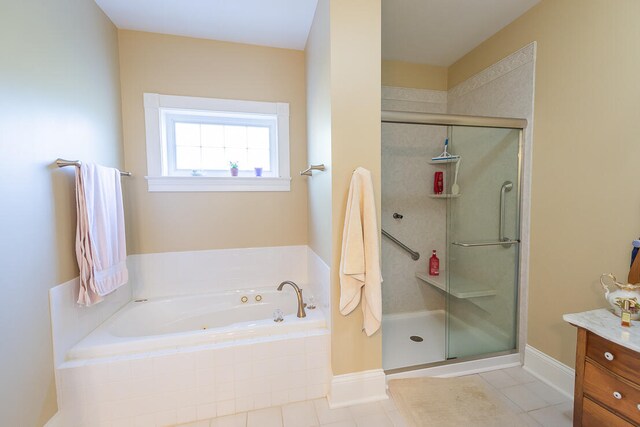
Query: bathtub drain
[141,300]
[416,338]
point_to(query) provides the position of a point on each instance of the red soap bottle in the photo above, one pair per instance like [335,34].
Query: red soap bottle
[438,182]
[434,265]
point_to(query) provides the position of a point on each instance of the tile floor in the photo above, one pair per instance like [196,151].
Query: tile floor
[536,403]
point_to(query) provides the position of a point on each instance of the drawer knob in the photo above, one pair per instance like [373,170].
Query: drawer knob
[638,406]
[608,356]
[617,395]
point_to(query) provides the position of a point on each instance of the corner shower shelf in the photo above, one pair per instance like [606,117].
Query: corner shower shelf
[444,196]
[465,289]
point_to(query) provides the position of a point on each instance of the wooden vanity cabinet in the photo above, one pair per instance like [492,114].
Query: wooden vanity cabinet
[607,388]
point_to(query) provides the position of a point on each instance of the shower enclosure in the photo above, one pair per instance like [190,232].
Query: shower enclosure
[470,310]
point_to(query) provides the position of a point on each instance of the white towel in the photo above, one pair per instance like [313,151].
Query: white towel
[360,258]
[100,238]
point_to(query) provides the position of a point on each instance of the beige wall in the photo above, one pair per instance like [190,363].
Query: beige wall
[60,98]
[161,222]
[318,67]
[413,75]
[355,141]
[585,209]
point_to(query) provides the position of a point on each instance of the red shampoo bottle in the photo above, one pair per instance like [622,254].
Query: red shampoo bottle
[438,182]
[434,265]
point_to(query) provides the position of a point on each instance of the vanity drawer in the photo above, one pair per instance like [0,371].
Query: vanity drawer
[613,357]
[595,415]
[619,395]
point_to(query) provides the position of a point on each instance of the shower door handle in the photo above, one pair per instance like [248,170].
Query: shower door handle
[506,186]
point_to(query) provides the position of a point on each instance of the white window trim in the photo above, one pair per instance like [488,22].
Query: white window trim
[156,181]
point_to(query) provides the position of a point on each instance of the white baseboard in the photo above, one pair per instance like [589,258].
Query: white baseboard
[549,370]
[357,387]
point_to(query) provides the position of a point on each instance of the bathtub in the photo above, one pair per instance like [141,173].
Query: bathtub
[167,361]
[148,325]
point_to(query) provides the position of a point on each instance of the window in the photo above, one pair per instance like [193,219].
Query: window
[193,142]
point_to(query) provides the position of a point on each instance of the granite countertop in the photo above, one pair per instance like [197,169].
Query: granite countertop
[605,323]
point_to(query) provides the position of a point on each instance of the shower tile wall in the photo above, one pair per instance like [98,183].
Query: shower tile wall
[505,89]
[407,181]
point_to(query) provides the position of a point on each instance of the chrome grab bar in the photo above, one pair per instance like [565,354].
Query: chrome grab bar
[505,243]
[414,255]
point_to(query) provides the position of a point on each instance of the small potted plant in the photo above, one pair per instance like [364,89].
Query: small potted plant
[234,168]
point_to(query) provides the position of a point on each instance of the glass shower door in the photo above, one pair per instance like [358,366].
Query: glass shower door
[482,242]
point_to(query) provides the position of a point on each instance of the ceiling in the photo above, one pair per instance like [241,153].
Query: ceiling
[277,23]
[436,32]
[439,32]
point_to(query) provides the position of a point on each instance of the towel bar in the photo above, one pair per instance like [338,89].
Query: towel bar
[62,163]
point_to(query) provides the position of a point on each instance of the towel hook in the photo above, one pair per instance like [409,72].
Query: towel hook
[308,170]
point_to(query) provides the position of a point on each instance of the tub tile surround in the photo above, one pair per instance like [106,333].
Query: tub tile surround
[319,284]
[179,385]
[195,272]
[184,385]
[71,322]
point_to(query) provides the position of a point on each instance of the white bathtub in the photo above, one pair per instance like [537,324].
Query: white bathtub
[171,323]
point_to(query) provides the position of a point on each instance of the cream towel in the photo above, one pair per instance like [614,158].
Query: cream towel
[100,238]
[360,259]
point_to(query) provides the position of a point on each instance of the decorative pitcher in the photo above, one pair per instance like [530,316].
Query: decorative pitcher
[617,297]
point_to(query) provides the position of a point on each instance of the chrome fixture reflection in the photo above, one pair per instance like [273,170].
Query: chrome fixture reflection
[301,304]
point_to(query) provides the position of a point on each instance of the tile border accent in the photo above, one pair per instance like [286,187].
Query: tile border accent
[549,370]
[357,387]
[520,57]
[393,93]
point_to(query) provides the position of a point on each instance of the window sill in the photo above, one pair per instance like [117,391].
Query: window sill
[210,183]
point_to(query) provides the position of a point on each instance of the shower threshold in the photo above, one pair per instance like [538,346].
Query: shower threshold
[458,367]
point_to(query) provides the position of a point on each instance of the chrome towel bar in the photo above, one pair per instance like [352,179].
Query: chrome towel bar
[414,255]
[62,163]
[307,171]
